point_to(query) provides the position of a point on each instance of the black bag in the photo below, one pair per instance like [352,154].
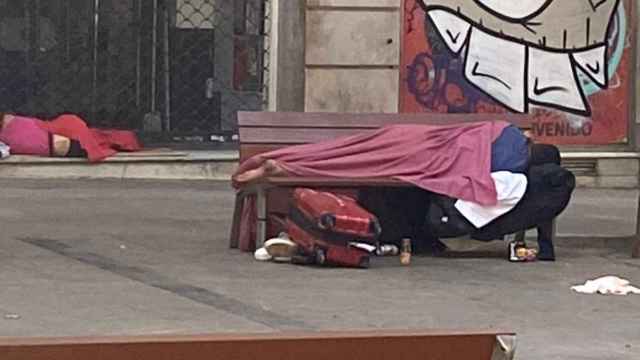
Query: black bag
[401,211]
[444,220]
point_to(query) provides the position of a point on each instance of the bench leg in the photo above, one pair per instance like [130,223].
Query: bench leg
[635,248]
[261,209]
[234,237]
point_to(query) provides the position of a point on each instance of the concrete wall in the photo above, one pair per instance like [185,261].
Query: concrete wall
[637,94]
[288,85]
[352,54]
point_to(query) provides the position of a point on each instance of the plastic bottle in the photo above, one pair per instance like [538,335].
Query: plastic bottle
[387,250]
[405,253]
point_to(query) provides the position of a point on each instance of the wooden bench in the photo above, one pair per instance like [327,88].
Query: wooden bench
[265,131]
[409,345]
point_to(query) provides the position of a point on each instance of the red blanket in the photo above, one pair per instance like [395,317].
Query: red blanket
[99,144]
[453,160]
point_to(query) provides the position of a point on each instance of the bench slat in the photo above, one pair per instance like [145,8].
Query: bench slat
[291,136]
[333,182]
[249,150]
[363,120]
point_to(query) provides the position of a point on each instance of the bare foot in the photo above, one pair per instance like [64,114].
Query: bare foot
[268,168]
[272,168]
[250,175]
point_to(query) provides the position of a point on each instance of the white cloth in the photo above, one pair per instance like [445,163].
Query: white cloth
[510,188]
[5,150]
[607,285]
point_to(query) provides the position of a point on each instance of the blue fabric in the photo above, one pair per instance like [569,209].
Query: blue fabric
[510,151]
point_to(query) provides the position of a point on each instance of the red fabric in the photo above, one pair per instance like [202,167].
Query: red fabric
[335,213]
[99,144]
[248,222]
[25,137]
[453,160]
[347,256]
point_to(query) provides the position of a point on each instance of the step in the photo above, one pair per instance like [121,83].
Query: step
[593,169]
[152,164]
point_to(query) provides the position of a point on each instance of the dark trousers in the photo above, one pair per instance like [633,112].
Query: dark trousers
[420,215]
[401,212]
[548,194]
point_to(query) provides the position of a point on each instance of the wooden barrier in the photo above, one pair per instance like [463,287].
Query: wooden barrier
[399,345]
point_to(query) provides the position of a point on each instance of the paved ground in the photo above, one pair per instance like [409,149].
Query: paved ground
[110,257]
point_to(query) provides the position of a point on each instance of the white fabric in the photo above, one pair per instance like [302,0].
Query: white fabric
[5,150]
[362,246]
[510,188]
[607,285]
[262,255]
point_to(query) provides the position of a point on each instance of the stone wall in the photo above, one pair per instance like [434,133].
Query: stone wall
[352,54]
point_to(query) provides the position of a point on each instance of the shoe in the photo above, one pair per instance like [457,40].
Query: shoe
[262,255]
[546,251]
[280,249]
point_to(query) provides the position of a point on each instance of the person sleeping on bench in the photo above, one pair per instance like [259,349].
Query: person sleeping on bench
[463,163]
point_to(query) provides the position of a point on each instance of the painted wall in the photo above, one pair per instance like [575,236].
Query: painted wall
[568,63]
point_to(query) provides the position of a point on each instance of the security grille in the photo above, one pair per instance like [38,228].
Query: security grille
[181,68]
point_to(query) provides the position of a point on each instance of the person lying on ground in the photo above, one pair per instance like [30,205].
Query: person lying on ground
[65,136]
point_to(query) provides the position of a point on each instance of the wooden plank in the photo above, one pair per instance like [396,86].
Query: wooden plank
[249,150]
[321,346]
[270,135]
[285,128]
[367,120]
[295,135]
[333,182]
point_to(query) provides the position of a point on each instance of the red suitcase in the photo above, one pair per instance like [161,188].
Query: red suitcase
[325,222]
[319,251]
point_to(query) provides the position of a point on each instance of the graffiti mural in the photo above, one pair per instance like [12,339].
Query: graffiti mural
[567,63]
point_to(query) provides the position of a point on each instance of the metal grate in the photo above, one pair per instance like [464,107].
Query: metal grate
[176,67]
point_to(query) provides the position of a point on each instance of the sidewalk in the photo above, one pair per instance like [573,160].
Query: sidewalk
[150,165]
[146,257]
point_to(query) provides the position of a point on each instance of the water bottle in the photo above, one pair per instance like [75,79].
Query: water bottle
[405,254]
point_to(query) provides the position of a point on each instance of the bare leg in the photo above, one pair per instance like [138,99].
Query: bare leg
[272,168]
[268,168]
[251,175]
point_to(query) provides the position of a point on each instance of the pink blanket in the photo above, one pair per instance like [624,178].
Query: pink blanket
[453,160]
